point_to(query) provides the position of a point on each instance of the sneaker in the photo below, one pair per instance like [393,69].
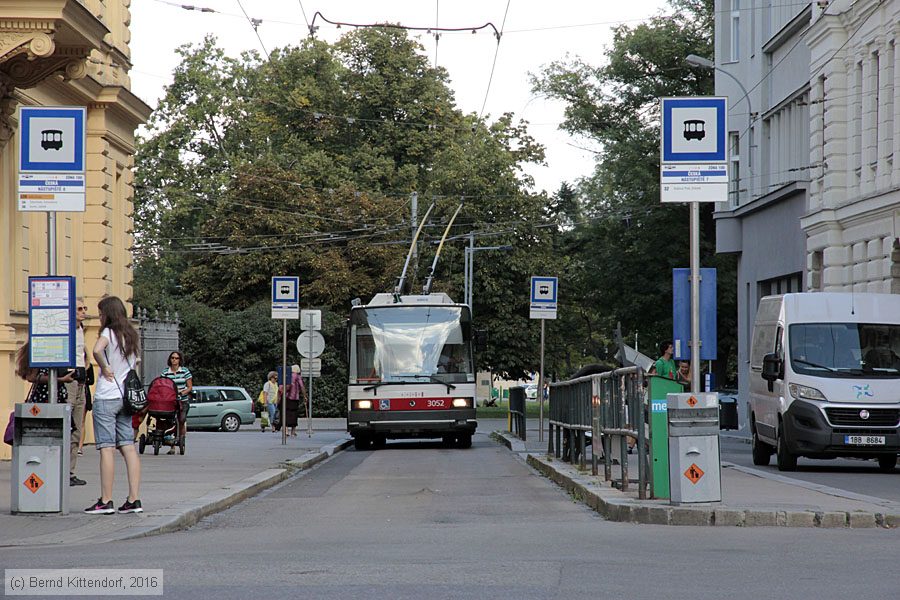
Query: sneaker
[80,453]
[73,480]
[99,508]
[130,507]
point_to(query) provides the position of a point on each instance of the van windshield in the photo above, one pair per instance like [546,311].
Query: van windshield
[845,349]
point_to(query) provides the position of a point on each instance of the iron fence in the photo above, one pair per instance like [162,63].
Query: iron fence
[611,408]
[517,423]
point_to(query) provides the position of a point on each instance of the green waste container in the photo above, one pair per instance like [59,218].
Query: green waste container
[659,388]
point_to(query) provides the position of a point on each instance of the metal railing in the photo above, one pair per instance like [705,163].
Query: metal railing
[517,424]
[611,406]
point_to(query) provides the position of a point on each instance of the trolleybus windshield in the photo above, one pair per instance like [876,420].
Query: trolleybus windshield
[402,343]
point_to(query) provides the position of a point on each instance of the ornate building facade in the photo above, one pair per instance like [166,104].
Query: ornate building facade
[66,53]
[853,222]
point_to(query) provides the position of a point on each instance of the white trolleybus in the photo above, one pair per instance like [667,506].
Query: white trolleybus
[412,374]
[411,371]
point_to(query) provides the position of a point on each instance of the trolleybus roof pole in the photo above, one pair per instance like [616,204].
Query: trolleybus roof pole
[399,289]
[426,289]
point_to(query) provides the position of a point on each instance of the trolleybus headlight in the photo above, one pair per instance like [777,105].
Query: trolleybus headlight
[461,403]
[362,404]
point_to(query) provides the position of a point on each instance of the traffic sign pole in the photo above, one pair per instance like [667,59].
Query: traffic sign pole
[695,297]
[541,386]
[284,382]
[309,430]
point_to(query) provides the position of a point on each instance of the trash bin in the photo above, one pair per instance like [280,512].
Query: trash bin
[728,412]
[694,464]
[40,461]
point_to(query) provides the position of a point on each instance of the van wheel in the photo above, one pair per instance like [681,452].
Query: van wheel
[761,451]
[786,461]
[887,462]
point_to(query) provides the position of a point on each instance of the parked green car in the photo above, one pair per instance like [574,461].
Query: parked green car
[220,407]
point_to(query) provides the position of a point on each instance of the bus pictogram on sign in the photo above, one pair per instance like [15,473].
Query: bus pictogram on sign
[33,483]
[694,473]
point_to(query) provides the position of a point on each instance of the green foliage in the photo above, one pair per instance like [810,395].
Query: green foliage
[625,248]
[303,164]
[240,347]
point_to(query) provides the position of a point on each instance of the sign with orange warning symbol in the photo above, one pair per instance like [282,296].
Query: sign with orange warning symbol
[33,483]
[692,402]
[694,473]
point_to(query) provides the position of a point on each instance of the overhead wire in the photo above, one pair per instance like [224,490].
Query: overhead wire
[254,23]
[494,63]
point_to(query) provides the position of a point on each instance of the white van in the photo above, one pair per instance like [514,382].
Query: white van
[825,378]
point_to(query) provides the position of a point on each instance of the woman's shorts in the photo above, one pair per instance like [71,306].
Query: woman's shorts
[112,427]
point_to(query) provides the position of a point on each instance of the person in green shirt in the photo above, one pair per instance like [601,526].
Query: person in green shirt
[665,366]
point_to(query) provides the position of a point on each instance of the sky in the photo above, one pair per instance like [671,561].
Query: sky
[535,33]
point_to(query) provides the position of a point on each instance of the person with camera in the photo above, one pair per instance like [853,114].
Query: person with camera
[75,390]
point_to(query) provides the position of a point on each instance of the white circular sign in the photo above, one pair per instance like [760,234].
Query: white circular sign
[310,344]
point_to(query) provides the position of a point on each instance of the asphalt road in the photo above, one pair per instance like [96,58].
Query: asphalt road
[418,521]
[852,475]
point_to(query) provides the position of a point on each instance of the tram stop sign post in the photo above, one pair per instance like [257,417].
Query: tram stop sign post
[694,169]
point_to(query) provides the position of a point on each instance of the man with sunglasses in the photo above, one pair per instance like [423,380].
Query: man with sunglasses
[75,389]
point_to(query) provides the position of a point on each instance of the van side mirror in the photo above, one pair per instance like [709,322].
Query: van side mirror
[771,368]
[481,340]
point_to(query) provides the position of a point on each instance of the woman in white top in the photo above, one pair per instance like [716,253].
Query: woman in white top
[116,353]
[270,389]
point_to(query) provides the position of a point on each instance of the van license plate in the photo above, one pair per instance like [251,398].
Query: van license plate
[864,440]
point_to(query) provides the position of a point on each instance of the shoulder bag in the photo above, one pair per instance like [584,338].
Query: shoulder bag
[134,396]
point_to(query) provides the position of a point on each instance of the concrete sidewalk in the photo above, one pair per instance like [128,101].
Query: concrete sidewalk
[217,471]
[750,497]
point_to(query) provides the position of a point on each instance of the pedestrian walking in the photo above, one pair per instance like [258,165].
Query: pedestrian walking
[184,381]
[270,389]
[75,390]
[115,352]
[296,392]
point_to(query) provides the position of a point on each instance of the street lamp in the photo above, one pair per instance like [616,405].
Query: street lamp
[705,63]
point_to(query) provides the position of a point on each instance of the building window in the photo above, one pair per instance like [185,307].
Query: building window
[734,169]
[735,30]
[781,285]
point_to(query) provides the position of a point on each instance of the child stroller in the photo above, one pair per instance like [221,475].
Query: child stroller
[163,408]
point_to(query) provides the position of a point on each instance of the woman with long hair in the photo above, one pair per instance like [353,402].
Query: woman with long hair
[115,352]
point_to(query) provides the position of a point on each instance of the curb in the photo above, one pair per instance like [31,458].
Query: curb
[611,505]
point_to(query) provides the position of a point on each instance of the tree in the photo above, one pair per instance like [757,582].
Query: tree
[303,163]
[630,241]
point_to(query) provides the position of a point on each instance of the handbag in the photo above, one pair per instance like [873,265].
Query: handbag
[10,433]
[134,396]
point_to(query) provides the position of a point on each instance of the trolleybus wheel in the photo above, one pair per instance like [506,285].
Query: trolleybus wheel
[464,440]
